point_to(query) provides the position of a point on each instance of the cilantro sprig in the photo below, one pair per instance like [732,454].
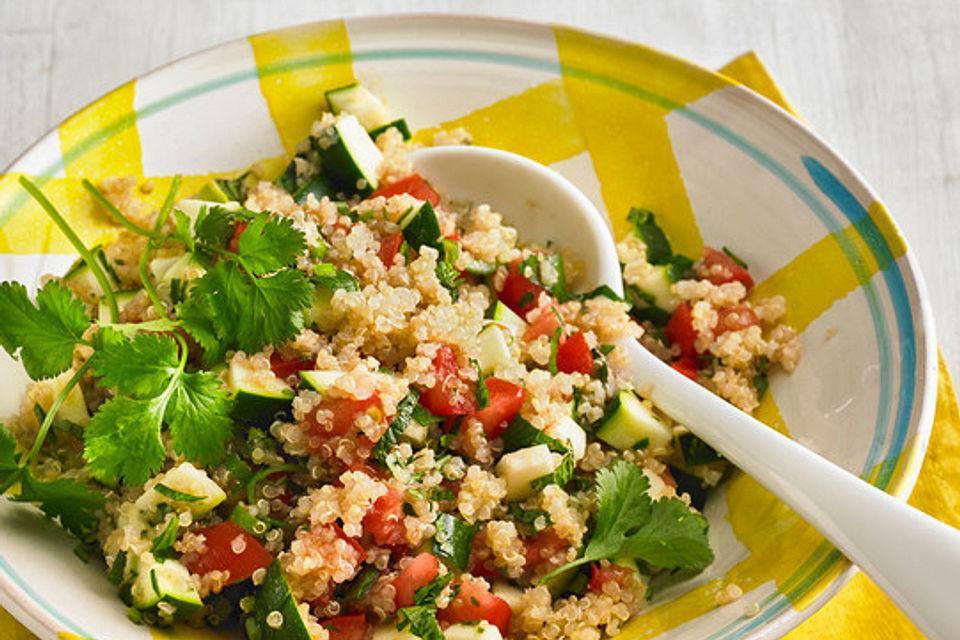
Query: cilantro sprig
[663,533]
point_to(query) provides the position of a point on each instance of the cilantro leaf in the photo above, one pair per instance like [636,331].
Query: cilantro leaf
[46,334]
[73,503]
[250,312]
[214,225]
[196,316]
[665,533]
[333,278]
[123,440]
[9,458]
[198,417]
[269,244]
[140,367]
[673,538]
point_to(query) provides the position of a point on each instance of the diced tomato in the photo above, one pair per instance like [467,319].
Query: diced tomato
[384,520]
[234,244]
[389,246]
[735,319]
[680,331]
[228,547]
[519,292]
[352,627]
[419,572]
[413,184]
[475,602]
[451,395]
[686,365]
[720,268]
[573,355]
[345,413]
[543,546]
[544,324]
[506,399]
[612,573]
[283,369]
[667,476]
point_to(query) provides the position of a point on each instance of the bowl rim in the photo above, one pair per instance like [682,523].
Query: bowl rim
[44,625]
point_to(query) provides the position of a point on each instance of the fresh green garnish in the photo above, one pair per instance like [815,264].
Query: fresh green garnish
[482,393]
[520,434]
[559,476]
[662,533]
[646,228]
[421,618]
[162,546]
[178,496]
[528,517]
[761,381]
[554,348]
[735,258]
[399,424]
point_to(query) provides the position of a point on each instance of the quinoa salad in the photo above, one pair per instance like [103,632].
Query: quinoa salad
[337,404]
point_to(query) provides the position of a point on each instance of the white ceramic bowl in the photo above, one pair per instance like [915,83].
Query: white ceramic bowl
[629,126]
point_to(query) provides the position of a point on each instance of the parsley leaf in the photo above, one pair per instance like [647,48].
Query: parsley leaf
[482,393]
[398,425]
[46,334]
[269,244]
[198,417]
[140,367]
[73,503]
[123,440]
[665,533]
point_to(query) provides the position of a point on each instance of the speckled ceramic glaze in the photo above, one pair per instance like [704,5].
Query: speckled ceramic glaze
[630,127]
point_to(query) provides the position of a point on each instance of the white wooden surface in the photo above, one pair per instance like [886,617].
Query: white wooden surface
[878,79]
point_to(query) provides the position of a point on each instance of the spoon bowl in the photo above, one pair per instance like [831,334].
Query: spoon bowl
[914,558]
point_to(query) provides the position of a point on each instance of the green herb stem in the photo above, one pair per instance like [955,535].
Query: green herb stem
[116,213]
[58,401]
[147,283]
[168,203]
[77,243]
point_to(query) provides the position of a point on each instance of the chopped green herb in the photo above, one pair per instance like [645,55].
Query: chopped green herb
[554,348]
[178,496]
[482,393]
[163,544]
[733,256]
[397,426]
[559,476]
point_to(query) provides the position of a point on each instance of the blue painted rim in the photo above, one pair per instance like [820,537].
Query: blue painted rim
[838,194]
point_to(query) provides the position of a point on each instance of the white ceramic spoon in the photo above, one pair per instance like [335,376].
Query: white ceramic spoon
[914,558]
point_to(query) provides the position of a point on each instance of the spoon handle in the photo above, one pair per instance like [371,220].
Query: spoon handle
[914,558]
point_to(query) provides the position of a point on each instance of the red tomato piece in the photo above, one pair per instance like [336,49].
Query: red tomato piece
[679,330]
[419,572]
[228,548]
[475,602]
[686,365]
[735,319]
[283,369]
[543,546]
[667,476]
[352,627]
[612,573]
[519,292]
[345,413]
[506,399]
[451,395]
[414,184]
[573,354]
[384,520]
[544,324]
[389,246]
[720,268]
[234,244]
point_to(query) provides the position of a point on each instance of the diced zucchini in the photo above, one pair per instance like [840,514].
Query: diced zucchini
[123,298]
[185,267]
[481,630]
[656,284]
[420,226]
[521,467]
[510,594]
[321,314]
[415,433]
[212,192]
[319,381]
[567,431]
[81,279]
[505,317]
[399,124]
[387,631]
[167,581]
[493,349]
[629,422]
[191,481]
[349,156]
[319,185]
[258,401]
[274,596]
[160,265]
[357,100]
[695,451]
